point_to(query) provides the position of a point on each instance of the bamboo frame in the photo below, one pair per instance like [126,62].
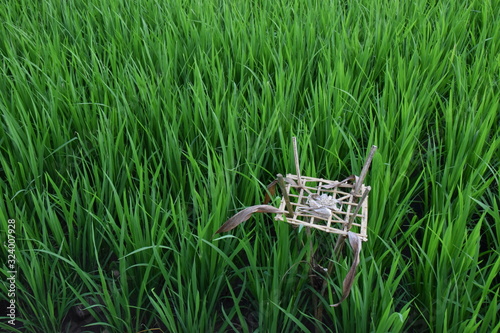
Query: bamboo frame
[351,217]
[350,194]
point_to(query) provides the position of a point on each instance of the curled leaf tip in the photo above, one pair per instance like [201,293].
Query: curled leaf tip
[355,242]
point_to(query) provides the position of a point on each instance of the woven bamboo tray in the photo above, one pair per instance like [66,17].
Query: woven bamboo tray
[344,209]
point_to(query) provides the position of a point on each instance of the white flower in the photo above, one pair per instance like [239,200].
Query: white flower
[323,200]
[321,205]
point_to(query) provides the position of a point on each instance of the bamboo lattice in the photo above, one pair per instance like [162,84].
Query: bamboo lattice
[349,211]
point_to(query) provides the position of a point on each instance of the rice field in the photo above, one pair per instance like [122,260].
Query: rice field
[132,130]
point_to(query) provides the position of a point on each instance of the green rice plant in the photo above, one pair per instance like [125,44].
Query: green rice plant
[131,131]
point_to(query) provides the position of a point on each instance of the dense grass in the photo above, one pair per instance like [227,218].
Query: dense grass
[131,131]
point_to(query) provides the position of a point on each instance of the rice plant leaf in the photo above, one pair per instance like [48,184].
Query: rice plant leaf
[355,242]
[245,214]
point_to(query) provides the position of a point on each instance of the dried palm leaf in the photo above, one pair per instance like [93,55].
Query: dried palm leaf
[355,242]
[245,214]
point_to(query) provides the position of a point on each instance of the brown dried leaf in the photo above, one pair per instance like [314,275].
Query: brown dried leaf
[291,181]
[338,183]
[271,190]
[355,242]
[245,214]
